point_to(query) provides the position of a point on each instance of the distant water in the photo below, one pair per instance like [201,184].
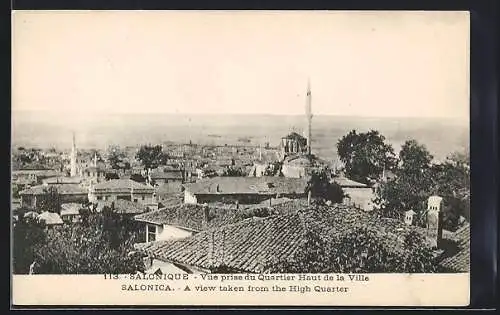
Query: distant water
[41,129]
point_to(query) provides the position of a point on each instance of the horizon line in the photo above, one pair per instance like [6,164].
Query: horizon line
[456,118]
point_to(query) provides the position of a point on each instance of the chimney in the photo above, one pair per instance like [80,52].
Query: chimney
[148,262]
[206,213]
[409,217]
[210,249]
[435,219]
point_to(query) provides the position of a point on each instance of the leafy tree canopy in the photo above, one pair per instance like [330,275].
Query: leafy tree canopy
[365,155]
[116,157]
[322,189]
[417,179]
[233,171]
[102,243]
[151,156]
[360,250]
[50,201]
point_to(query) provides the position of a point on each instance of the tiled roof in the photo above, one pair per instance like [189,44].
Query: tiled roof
[70,208]
[50,218]
[23,181]
[62,180]
[166,174]
[123,206]
[247,245]
[294,136]
[46,173]
[248,185]
[346,182]
[460,260]
[252,244]
[65,189]
[122,185]
[171,200]
[169,189]
[190,216]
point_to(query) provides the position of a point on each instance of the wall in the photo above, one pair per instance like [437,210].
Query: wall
[170,268]
[293,171]
[148,197]
[80,198]
[28,201]
[32,201]
[260,169]
[189,197]
[360,197]
[232,198]
[167,232]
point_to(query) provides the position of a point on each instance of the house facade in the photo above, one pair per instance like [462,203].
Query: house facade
[68,193]
[243,190]
[358,195]
[124,189]
[33,176]
[164,176]
[70,212]
[94,174]
[183,220]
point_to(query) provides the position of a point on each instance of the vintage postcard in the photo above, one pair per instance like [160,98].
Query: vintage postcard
[240,158]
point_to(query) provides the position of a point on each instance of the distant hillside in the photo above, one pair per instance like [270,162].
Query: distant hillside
[48,130]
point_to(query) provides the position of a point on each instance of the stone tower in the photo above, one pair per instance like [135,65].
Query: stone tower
[435,219]
[73,158]
[308,117]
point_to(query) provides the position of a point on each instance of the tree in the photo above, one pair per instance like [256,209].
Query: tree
[27,233]
[111,175]
[138,178]
[451,180]
[233,171]
[95,153]
[273,169]
[151,156]
[116,158]
[15,191]
[414,158]
[412,185]
[362,249]
[312,256]
[103,243]
[322,189]
[365,155]
[51,200]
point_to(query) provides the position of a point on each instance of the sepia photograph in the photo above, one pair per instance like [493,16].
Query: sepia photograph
[240,145]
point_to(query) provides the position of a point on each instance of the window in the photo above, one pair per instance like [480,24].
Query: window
[151,230]
[143,198]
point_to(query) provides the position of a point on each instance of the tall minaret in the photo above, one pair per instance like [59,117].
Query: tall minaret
[73,158]
[308,117]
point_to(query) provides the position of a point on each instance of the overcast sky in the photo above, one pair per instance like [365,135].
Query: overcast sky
[359,63]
